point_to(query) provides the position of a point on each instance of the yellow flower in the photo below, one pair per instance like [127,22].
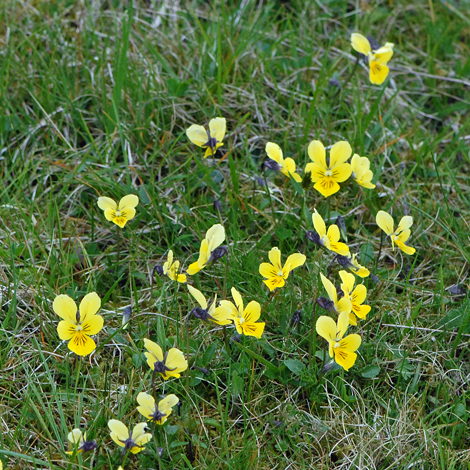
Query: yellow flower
[361,172]
[171,269]
[342,349]
[219,315]
[350,262]
[119,214]
[357,296]
[169,364]
[78,325]
[377,58]
[342,305]
[330,239]
[210,140]
[215,236]
[402,233]
[245,319]
[79,443]
[325,172]
[133,441]
[153,412]
[275,272]
[287,166]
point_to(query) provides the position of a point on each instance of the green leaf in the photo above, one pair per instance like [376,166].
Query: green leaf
[284,233]
[295,366]
[370,371]
[237,385]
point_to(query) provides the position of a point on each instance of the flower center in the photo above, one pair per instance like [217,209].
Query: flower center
[118,213]
[79,328]
[242,320]
[336,345]
[328,173]
[280,273]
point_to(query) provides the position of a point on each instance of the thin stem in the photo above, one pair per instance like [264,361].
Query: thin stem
[79,366]
[380,248]
[313,343]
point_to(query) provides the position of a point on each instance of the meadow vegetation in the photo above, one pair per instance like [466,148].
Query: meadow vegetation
[97,100]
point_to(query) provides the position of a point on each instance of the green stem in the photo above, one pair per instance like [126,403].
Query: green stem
[79,366]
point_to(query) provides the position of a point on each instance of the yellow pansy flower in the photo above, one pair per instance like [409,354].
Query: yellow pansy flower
[210,246]
[153,412]
[401,234]
[350,262]
[171,269]
[169,364]
[245,319]
[325,172]
[342,305]
[119,213]
[78,325]
[378,59]
[342,349]
[210,140]
[219,315]
[286,166]
[356,295]
[134,441]
[328,239]
[275,273]
[79,443]
[361,172]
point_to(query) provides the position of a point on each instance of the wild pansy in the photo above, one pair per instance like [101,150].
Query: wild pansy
[356,295]
[328,239]
[340,305]
[153,412]
[78,442]
[350,262]
[210,140]
[130,441]
[78,325]
[401,234]
[167,365]
[119,213]
[325,172]
[245,319]
[377,57]
[342,349]
[219,315]
[171,268]
[361,172]
[286,166]
[275,273]
[210,250]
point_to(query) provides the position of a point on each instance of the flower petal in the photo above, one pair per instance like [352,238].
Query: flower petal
[252,329]
[106,203]
[217,128]
[274,152]
[93,325]
[316,152]
[110,214]
[252,312]
[294,261]
[215,236]
[329,287]
[327,186]
[351,343]
[154,349]
[275,282]
[409,250]
[75,436]
[378,72]
[341,172]
[340,248]
[230,306]
[131,200]
[221,315]
[359,294]
[197,135]
[360,43]
[343,305]
[238,299]
[339,153]
[268,270]
[348,282]
[405,223]
[65,308]
[128,213]
[385,222]
[344,358]
[384,54]
[343,323]
[318,223]
[147,404]
[326,328]
[166,404]
[275,258]
[66,330]
[193,268]
[89,305]
[197,294]
[81,344]
[119,431]
[317,172]
[176,360]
